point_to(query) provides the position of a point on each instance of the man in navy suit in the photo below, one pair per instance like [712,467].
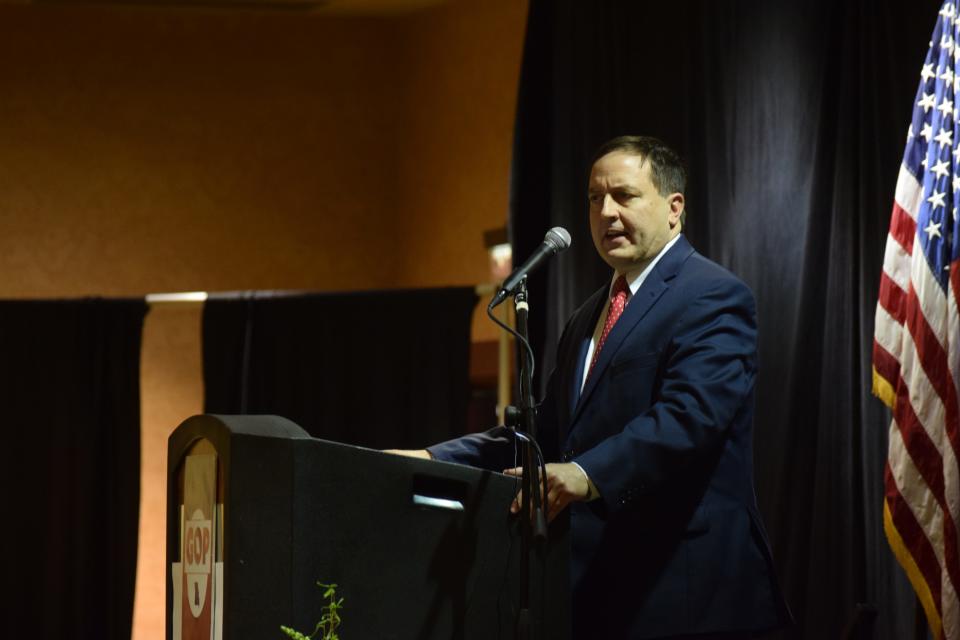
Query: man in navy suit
[648,423]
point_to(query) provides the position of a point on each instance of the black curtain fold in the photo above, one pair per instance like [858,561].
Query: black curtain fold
[793,118]
[70,389]
[386,369]
[577,89]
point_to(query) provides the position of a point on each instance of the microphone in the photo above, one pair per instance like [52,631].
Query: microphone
[556,240]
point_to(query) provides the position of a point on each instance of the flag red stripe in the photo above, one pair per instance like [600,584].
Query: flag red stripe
[892,298]
[886,365]
[955,282]
[954,293]
[924,453]
[902,228]
[913,537]
[933,359]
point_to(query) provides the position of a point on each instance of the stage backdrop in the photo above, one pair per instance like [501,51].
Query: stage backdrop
[70,397]
[793,116]
[383,369]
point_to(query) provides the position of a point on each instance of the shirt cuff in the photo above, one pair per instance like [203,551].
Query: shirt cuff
[592,494]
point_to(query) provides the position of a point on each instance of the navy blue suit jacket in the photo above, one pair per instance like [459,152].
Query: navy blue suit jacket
[663,427]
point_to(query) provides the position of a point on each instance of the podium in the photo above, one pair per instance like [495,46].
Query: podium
[258,512]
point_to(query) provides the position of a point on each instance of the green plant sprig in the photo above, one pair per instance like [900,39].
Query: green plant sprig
[329,617]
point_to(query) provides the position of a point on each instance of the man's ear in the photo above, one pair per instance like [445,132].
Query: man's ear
[676,208]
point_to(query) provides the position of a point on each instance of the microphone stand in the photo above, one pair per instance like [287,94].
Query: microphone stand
[533,525]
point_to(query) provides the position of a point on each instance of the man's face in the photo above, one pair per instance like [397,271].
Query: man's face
[629,220]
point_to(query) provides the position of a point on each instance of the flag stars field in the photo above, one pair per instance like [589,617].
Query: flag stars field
[945,107]
[936,199]
[944,138]
[941,169]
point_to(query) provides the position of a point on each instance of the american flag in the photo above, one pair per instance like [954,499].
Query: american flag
[916,349]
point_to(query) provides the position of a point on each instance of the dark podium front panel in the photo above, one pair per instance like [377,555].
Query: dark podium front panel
[419,549]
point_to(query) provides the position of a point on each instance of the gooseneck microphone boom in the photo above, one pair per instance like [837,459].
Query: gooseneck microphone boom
[556,240]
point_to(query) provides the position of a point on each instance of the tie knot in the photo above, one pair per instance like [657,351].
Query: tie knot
[619,287]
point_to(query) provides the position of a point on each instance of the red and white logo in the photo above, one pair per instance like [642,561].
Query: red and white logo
[197,560]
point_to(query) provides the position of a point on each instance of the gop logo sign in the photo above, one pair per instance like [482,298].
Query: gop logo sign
[197,560]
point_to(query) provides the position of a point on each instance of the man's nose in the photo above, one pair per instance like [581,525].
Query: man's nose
[609,208]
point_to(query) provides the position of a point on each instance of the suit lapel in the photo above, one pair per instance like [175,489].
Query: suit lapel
[584,333]
[656,283]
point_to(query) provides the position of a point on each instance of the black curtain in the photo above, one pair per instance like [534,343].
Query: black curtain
[793,117]
[386,369]
[70,389]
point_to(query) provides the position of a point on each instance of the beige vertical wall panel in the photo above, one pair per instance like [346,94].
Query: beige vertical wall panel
[463,66]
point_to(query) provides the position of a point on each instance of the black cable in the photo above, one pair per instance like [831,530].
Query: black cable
[516,335]
[540,463]
[520,434]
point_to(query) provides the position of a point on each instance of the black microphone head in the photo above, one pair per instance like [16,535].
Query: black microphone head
[558,238]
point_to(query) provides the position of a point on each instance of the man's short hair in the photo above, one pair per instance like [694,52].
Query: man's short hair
[667,170]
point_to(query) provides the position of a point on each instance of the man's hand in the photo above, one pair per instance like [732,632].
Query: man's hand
[411,453]
[566,483]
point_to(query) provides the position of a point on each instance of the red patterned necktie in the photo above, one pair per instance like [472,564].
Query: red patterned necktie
[618,300]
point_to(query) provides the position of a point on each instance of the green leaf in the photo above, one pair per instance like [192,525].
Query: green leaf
[293,633]
[329,620]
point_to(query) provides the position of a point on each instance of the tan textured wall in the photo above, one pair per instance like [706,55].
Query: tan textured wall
[219,151]
[162,150]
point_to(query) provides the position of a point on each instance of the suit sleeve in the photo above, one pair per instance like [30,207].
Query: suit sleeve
[495,448]
[492,449]
[708,369]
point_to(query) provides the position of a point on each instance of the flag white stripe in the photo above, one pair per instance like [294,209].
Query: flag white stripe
[909,193]
[896,263]
[916,494]
[924,400]
[888,334]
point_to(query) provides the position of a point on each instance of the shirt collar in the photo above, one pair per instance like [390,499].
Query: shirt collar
[635,277]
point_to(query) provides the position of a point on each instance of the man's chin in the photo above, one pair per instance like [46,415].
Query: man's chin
[619,261]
